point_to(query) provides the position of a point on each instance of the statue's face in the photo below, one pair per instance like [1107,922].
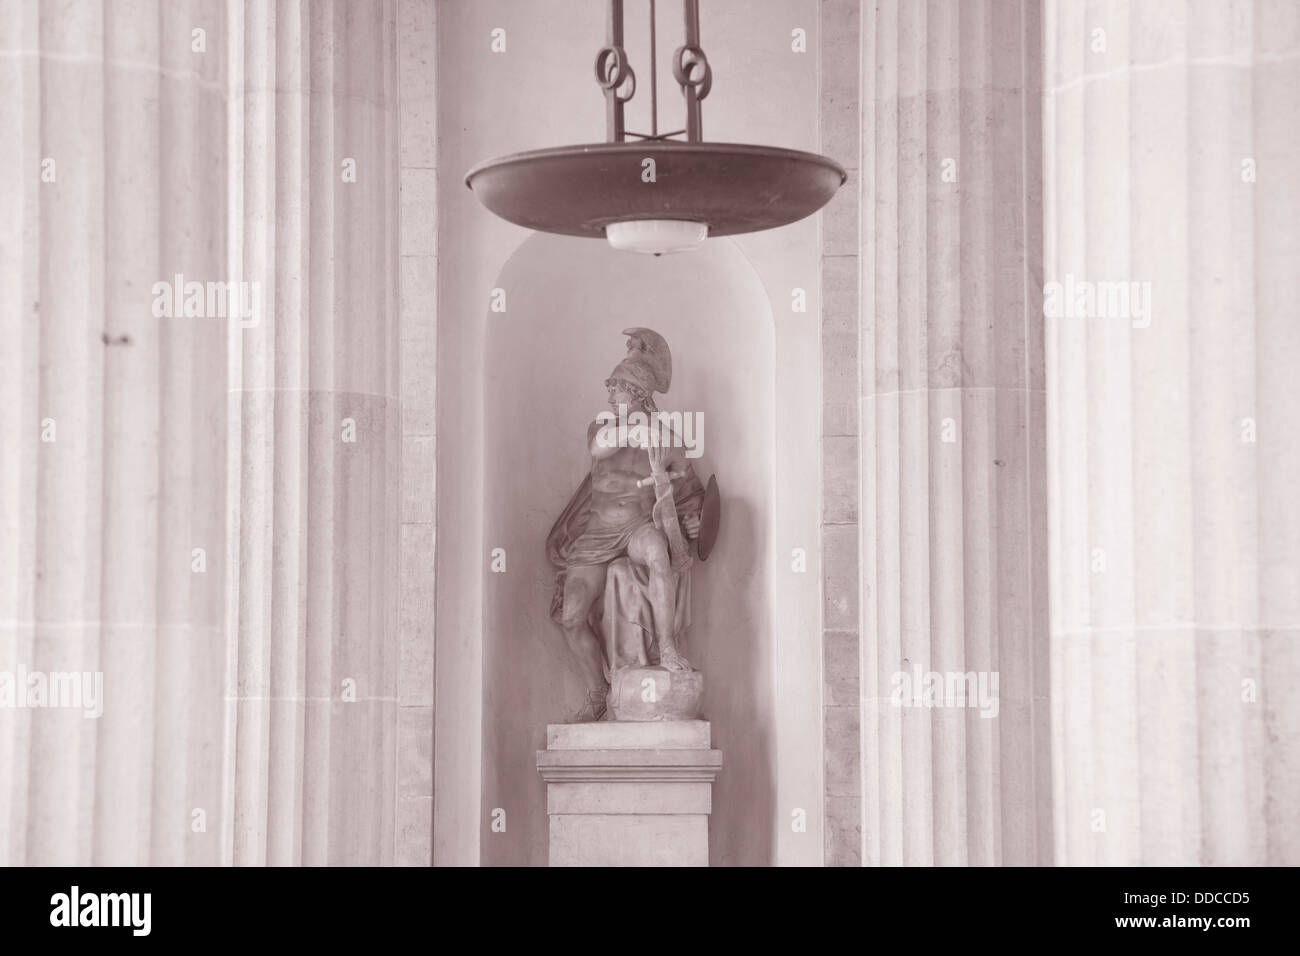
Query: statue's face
[619,395]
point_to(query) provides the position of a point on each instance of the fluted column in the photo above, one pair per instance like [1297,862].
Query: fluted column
[112,129]
[310,736]
[199,496]
[1171,238]
[951,509]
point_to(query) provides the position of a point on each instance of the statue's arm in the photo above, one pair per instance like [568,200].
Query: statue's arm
[690,492]
[688,495]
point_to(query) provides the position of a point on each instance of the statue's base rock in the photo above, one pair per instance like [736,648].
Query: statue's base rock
[629,794]
[655,693]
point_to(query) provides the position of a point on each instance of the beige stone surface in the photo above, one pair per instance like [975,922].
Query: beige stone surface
[416,42]
[614,735]
[935,537]
[629,794]
[226,734]
[1172,455]
[675,695]
[630,840]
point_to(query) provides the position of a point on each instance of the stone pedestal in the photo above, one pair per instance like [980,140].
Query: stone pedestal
[629,794]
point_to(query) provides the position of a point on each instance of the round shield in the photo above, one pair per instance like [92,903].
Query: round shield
[710,518]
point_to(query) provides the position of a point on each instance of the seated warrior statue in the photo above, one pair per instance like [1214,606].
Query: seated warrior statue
[622,589]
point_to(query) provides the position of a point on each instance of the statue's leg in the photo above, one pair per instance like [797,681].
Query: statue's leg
[649,548]
[583,585]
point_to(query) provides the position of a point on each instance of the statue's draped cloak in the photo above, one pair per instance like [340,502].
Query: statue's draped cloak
[625,615]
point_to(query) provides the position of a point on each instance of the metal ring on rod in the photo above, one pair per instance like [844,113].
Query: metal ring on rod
[691,68]
[614,73]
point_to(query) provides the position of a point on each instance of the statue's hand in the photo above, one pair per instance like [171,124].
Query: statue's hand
[658,459]
[691,525]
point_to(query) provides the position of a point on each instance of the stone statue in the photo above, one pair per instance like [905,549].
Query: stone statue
[623,549]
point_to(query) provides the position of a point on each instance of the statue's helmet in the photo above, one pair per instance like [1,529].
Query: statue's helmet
[647,349]
[635,373]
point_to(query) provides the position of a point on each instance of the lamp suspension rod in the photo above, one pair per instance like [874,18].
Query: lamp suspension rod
[654,82]
[613,73]
[694,127]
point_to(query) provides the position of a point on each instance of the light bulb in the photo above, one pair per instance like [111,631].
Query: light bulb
[656,236]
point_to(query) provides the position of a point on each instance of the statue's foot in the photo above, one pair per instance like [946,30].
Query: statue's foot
[593,710]
[671,659]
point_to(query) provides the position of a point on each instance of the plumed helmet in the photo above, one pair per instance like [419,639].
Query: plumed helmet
[647,347]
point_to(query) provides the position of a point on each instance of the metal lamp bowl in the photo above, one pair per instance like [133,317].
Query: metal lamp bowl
[733,187]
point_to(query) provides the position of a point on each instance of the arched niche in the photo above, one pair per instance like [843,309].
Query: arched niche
[547,356]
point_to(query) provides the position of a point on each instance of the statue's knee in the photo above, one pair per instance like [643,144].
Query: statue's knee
[571,616]
[574,612]
[657,560]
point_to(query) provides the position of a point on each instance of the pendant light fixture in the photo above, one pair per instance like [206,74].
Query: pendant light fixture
[655,192]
